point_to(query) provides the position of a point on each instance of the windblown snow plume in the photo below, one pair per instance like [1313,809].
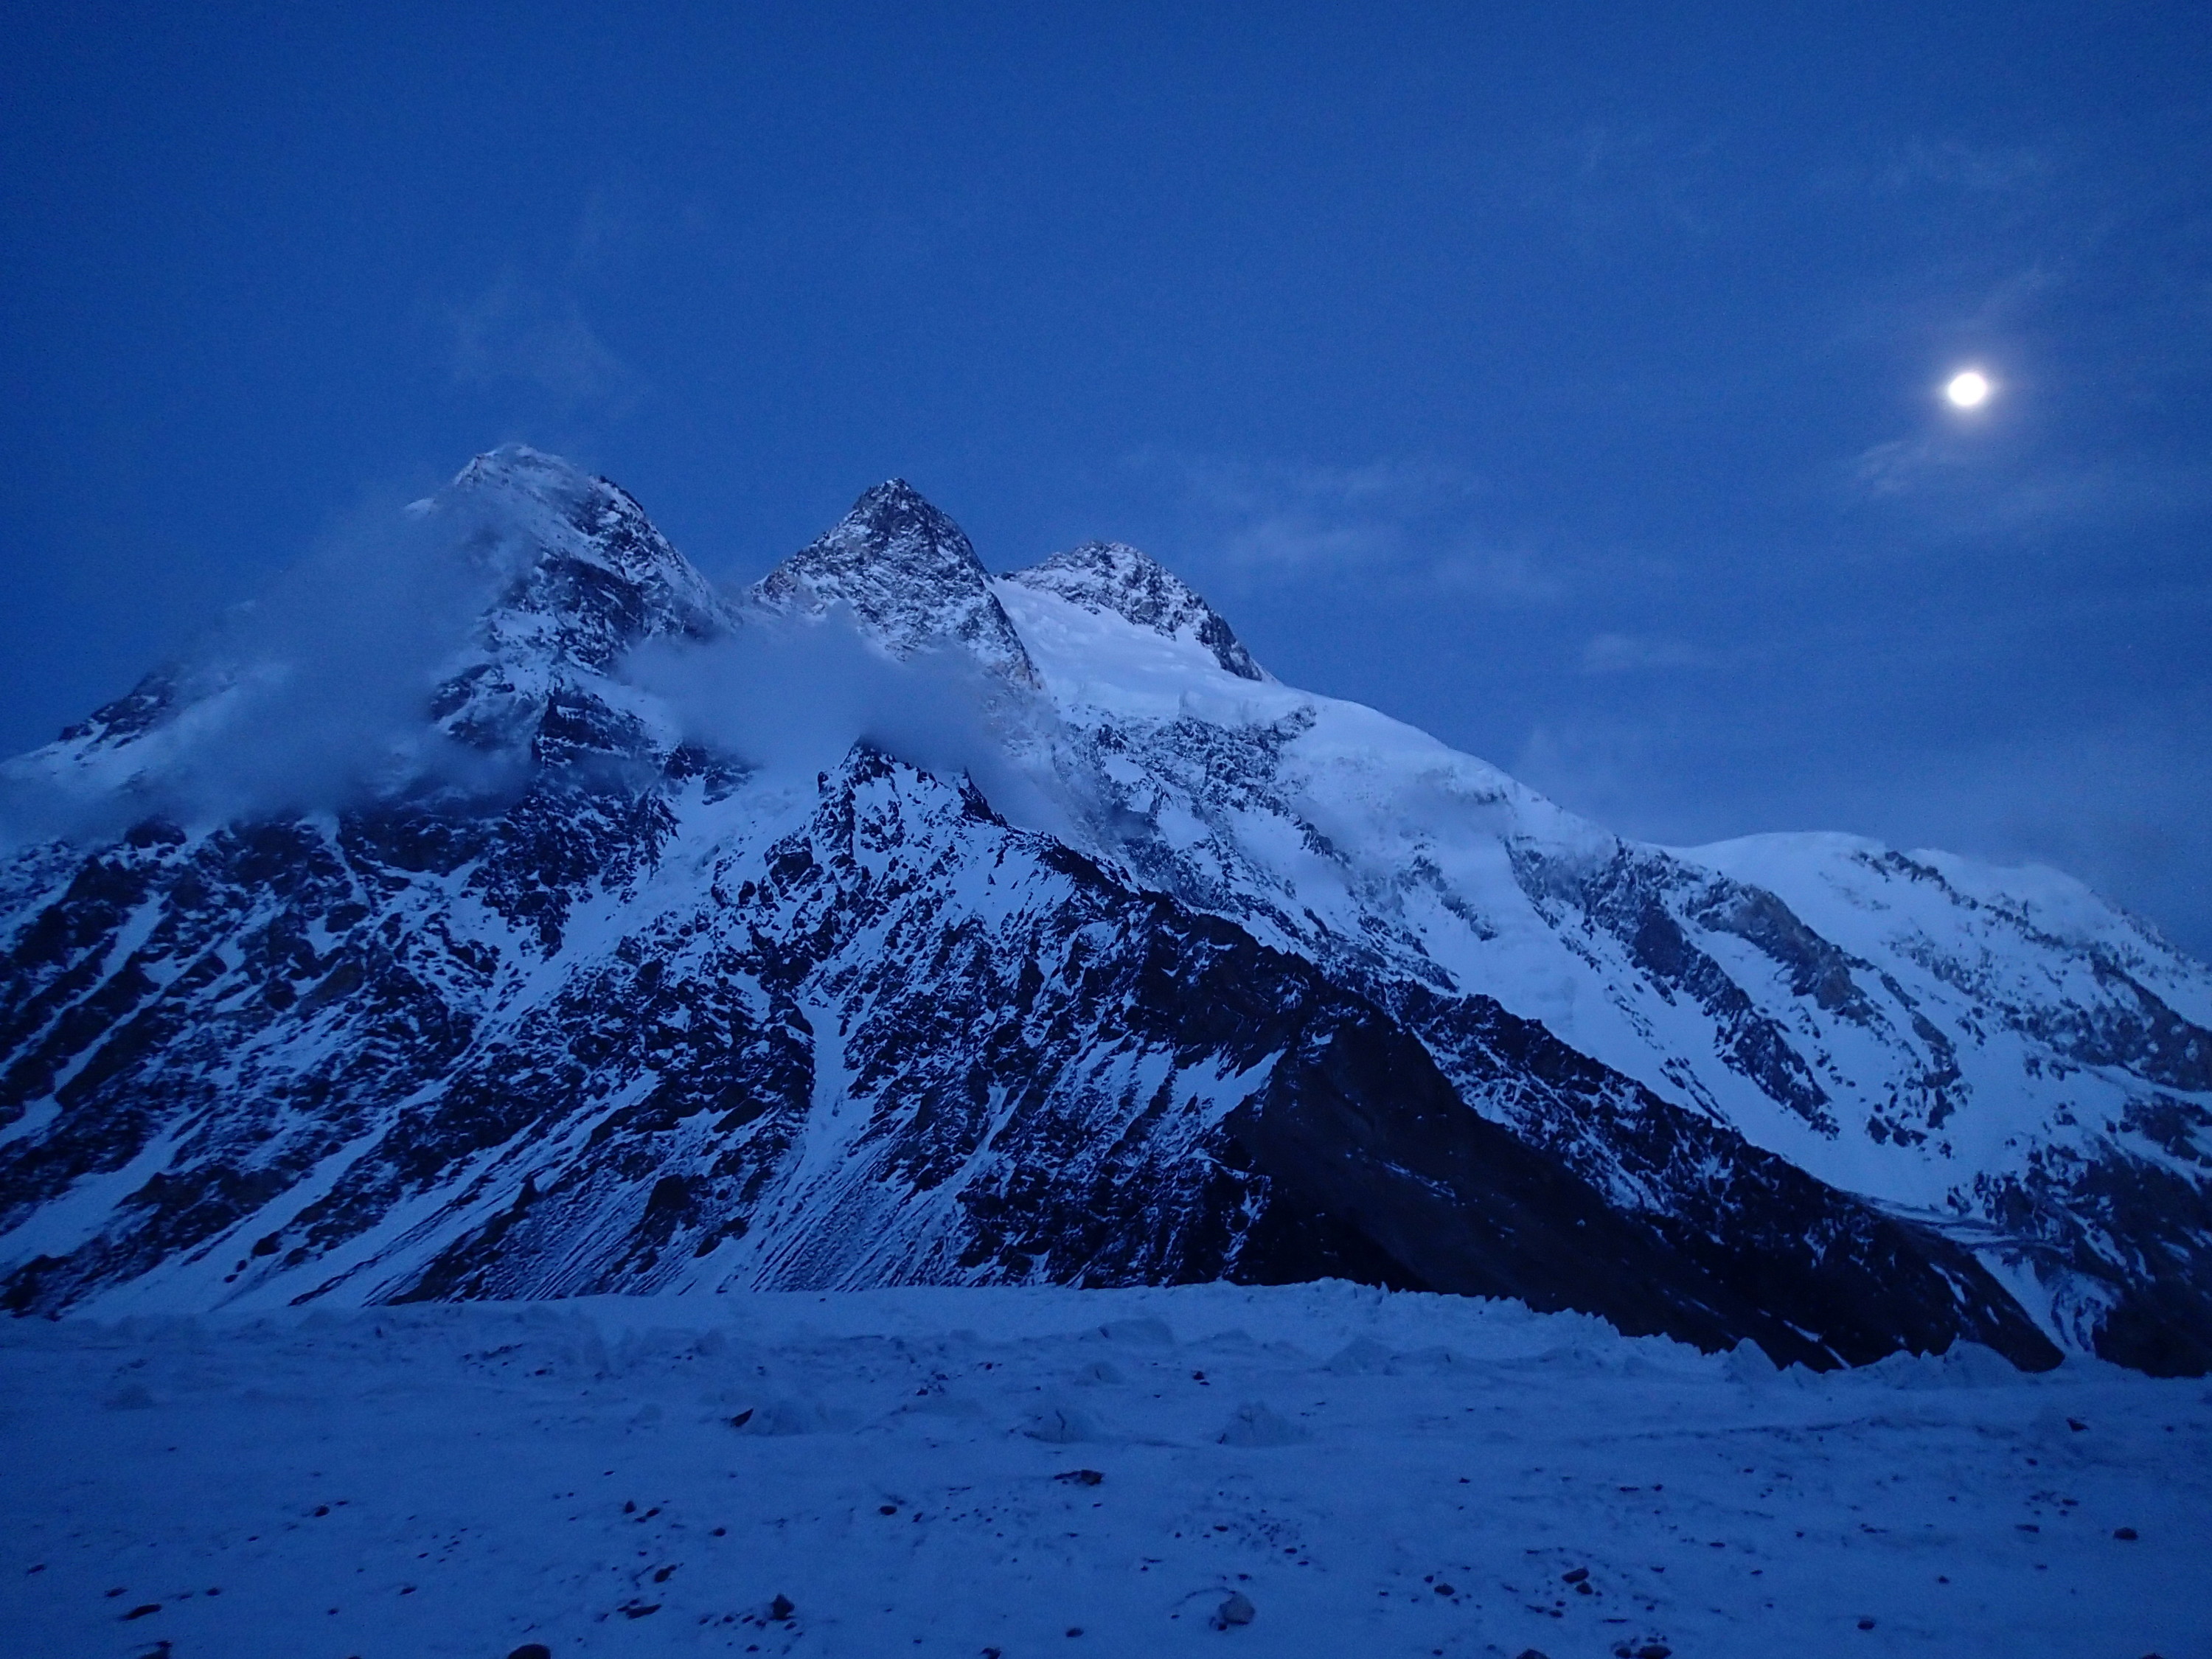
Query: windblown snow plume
[788,697]
[412,655]
[311,698]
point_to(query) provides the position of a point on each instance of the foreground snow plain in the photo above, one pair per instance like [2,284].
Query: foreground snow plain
[1373,1473]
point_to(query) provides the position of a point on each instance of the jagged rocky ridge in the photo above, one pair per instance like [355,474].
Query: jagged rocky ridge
[1282,990]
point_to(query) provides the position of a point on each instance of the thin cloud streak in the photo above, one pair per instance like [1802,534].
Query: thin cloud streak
[1628,654]
[512,335]
[1413,525]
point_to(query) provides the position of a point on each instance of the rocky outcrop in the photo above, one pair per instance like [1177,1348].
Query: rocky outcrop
[910,578]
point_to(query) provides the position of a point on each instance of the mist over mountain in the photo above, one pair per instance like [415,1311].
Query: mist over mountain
[500,910]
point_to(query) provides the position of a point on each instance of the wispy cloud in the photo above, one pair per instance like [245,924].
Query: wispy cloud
[1628,654]
[1950,494]
[1922,163]
[1606,177]
[513,335]
[1902,466]
[1507,572]
[1413,523]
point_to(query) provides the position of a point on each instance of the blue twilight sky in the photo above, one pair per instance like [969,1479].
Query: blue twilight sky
[1564,379]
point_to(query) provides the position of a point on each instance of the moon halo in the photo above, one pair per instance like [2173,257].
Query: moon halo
[1968,389]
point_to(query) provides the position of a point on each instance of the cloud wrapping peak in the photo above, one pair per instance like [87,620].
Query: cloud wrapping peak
[788,697]
[334,688]
[309,698]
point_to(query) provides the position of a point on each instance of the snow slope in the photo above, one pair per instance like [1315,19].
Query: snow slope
[1371,1473]
[1998,1053]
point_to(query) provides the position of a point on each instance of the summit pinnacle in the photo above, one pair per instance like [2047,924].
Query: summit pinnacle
[911,578]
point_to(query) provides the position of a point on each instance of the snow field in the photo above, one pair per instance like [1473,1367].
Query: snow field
[911,1470]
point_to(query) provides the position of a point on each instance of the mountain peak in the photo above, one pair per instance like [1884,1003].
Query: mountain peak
[909,575]
[519,465]
[895,501]
[1115,577]
[492,606]
[575,545]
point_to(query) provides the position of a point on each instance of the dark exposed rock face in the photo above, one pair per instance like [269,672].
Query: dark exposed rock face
[1624,897]
[1775,1236]
[910,577]
[641,1020]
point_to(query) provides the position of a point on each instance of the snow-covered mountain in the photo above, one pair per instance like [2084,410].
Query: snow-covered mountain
[1169,972]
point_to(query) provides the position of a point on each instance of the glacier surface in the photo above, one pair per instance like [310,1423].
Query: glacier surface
[967,1471]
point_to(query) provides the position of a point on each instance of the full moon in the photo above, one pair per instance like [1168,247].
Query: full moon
[1969,389]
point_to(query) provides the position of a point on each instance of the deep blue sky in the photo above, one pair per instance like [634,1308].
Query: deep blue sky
[1563,379]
